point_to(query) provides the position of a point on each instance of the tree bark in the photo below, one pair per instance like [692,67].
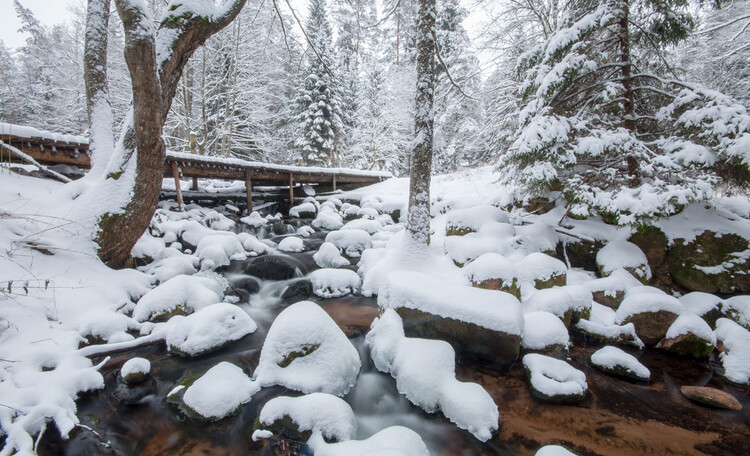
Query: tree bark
[421,158]
[627,79]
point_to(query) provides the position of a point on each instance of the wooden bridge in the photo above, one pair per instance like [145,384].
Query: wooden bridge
[52,149]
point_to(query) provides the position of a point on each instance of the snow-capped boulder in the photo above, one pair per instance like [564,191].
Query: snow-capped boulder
[291,244]
[623,255]
[480,324]
[554,450]
[304,210]
[135,370]
[328,256]
[735,350]
[558,301]
[544,332]
[610,291]
[255,220]
[208,329]
[371,226]
[252,245]
[554,380]
[306,351]
[542,270]
[737,308]
[391,441]
[463,221]
[328,220]
[179,295]
[298,418]
[217,250]
[467,248]
[651,311]
[601,328]
[172,266]
[425,373]
[704,305]
[218,393]
[305,231]
[334,283]
[493,271]
[351,212]
[689,336]
[352,242]
[613,361]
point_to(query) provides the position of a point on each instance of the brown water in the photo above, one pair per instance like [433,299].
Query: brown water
[616,418]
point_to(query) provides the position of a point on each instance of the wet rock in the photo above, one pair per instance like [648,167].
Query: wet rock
[554,380]
[711,397]
[271,267]
[298,290]
[653,243]
[687,345]
[651,327]
[132,394]
[470,341]
[651,311]
[246,284]
[615,362]
[710,263]
[579,254]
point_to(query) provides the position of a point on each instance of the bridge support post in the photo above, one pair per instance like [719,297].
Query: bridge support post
[291,190]
[176,175]
[334,182]
[195,184]
[249,191]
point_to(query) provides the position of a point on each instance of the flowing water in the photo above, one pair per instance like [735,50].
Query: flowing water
[617,417]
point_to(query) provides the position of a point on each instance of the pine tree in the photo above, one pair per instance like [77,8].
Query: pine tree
[606,122]
[318,102]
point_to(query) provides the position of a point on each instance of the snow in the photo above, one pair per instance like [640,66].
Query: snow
[255,220]
[538,266]
[208,328]
[291,244]
[463,249]
[353,242]
[305,231]
[334,283]
[172,266]
[220,391]
[328,256]
[474,218]
[391,441]
[331,367]
[217,250]
[328,220]
[491,266]
[612,357]
[543,329]
[135,366]
[495,310]
[646,299]
[252,245]
[689,323]
[553,377]
[189,293]
[425,373]
[555,300]
[22,131]
[371,226]
[321,413]
[700,303]
[736,353]
[296,211]
[554,450]
[739,309]
[625,255]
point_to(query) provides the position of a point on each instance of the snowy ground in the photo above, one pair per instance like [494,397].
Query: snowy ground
[59,304]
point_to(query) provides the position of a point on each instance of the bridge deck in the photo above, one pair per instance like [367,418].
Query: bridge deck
[51,149]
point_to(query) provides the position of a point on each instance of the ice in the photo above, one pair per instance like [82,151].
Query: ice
[334,283]
[322,414]
[391,441]
[328,256]
[208,329]
[291,244]
[220,391]
[495,310]
[612,357]
[424,370]
[353,242]
[553,377]
[543,329]
[182,292]
[736,353]
[625,255]
[306,351]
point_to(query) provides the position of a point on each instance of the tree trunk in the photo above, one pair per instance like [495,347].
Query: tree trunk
[627,80]
[421,157]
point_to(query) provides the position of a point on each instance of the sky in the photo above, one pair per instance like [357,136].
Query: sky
[49,12]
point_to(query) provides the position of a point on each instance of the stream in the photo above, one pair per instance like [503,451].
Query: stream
[617,417]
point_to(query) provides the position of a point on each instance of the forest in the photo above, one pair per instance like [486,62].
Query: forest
[402,227]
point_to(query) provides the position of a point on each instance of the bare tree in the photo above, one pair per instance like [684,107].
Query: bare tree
[421,156]
[121,201]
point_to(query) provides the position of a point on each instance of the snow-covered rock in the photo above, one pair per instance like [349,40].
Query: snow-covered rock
[467,248]
[424,370]
[554,450]
[735,355]
[705,305]
[391,441]
[291,244]
[172,266]
[493,271]
[316,413]
[252,245]
[464,221]
[178,295]
[255,220]
[305,231]
[689,336]
[328,256]
[135,370]
[218,249]
[554,380]
[306,351]
[610,291]
[208,329]
[353,242]
[371,226]
[333,283]
[614,361]
[219,392]
[544,332]
[651,311]
[559,301]
[304,210]
[737,308]
[542,270]
[623,255]
[328,220]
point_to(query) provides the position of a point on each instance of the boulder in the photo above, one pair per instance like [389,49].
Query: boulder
[492,271]
[623,255]
[704,305]
[711,397]
[615,362]
[710,263]
[271,267]
[579,254]
[653,243]
[544,271]
[247,284]
[689,336]
[737,309]
[553,380]
[297,418]
[299,290]
[651,311]
[545,333]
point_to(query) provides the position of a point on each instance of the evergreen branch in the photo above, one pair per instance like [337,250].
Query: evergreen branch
[655,48]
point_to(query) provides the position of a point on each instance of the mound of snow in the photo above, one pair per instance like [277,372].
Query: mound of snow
[424,370]
[554,379]
[371,226]
[320,413]
[306,209]
[334,283]
[612,359]
[491,266]
[736,354]
[306,351]
[328,220]
[220,391]
[328,256]
[255,220]
[291,244]
[208,329]
[352,242]
[543,329]
[467,220]
[181,293]
[623,255]
[392,441]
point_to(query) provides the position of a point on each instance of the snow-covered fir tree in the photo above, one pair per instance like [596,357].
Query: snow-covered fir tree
[607,123]
[318,103]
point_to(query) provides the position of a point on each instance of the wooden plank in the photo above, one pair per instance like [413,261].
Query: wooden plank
[48,156]
[249,192]
[176,174]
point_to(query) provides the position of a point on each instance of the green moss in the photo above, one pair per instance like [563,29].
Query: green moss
[115,175]
[457,230]
[554,280]
[304,351]
[93,419]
